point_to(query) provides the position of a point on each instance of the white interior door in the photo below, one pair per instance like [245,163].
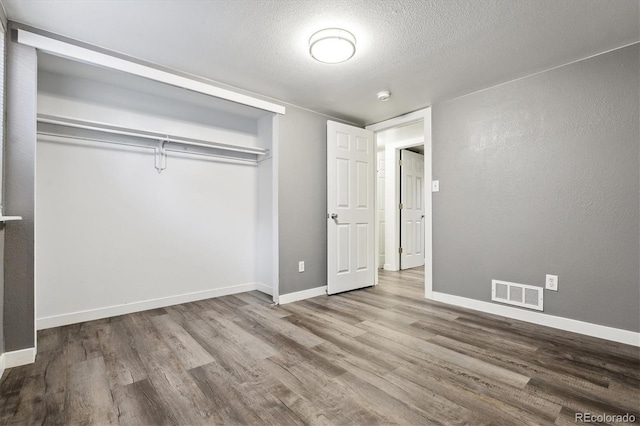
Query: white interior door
[350,204]
[412,211]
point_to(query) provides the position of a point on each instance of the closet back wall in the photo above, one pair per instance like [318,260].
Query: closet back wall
[112,232]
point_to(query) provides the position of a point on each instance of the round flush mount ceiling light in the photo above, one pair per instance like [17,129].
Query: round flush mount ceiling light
[384,95]
[332,45]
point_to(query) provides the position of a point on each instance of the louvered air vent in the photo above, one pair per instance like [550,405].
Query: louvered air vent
[526,296]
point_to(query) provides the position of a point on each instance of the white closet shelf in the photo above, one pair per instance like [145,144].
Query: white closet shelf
[138,133]
[8,218]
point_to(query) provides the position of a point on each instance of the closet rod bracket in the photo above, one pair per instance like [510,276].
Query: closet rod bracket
[161,155]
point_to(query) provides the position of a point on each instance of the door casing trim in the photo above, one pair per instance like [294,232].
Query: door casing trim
[425,116]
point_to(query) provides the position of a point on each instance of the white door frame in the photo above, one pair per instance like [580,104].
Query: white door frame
[380,214]
[392,197]
[410,181]
[425,116]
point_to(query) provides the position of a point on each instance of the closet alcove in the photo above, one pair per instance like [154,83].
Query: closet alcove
[147,194]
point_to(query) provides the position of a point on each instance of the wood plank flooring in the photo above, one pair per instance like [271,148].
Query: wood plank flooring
[382,355]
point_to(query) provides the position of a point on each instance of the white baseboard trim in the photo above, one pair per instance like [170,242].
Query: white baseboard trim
[566,324]
[301,295]
[264,289]
[17,358]
[112,311]
[1,365]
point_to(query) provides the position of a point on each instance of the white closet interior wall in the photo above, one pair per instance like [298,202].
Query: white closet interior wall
[112,234]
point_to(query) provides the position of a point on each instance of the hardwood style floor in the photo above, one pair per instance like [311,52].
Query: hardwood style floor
[382,355]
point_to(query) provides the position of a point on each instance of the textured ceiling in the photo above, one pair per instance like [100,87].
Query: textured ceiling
[422,51]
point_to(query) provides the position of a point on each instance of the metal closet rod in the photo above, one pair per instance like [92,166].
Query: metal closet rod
[232,160]
[108,128]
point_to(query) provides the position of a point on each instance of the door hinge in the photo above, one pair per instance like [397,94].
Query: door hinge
[401,162]
[400,206]
[400,250]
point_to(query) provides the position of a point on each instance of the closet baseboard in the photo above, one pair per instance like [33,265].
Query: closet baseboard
[301,295]
[128,308]
[17,358]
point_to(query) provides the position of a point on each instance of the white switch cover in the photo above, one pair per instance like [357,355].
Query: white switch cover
[551,283]
[301,266]
[435,186]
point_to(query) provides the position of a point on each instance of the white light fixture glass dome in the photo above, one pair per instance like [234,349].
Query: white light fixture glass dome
[332,45]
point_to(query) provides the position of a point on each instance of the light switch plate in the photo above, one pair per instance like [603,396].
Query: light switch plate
[435,186]
[301,266]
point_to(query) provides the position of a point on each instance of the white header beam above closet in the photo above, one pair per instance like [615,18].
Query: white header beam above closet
[67,50]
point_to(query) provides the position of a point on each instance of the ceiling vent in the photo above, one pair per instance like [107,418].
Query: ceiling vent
[525,296]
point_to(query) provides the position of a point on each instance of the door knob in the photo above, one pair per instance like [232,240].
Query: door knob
[334,216]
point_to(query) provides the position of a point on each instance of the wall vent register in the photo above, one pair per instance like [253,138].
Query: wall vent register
[525,296]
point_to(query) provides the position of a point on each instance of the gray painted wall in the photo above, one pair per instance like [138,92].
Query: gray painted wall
[19,175]
[2,291]
[302,197]
[541,176]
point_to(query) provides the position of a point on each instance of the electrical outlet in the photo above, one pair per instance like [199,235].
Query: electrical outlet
[435,186]
[551,282]
[301,266]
